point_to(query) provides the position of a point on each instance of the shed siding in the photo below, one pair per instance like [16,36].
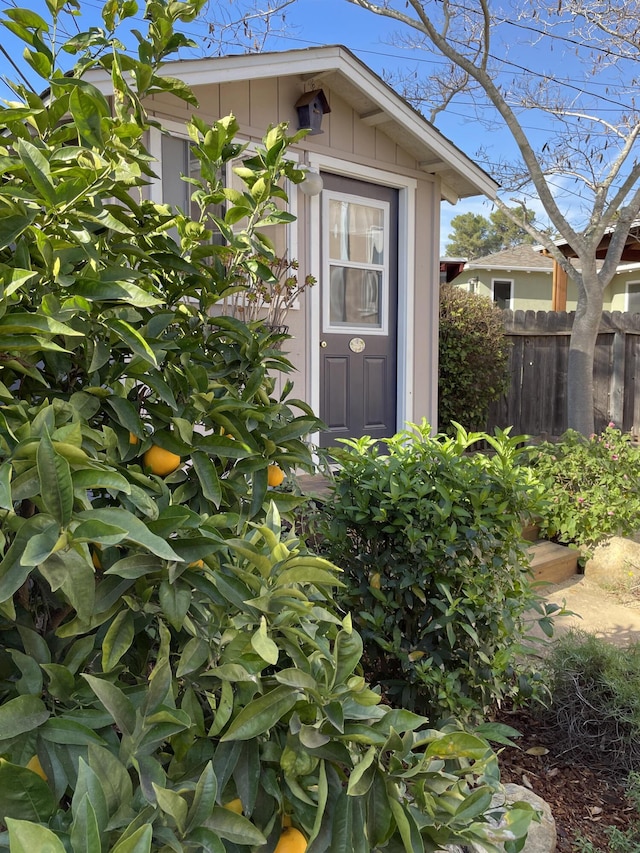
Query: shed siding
[259,103]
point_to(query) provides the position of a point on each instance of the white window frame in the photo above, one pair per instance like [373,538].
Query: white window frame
[179,130]
[344,328]
[627,294]
[503,280]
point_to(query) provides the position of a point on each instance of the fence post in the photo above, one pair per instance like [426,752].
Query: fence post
[616,399]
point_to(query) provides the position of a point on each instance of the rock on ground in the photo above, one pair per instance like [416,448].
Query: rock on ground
[615,563]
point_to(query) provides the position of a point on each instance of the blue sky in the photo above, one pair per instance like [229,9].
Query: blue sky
[313,22]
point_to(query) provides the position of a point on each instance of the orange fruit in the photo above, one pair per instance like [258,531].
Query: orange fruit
[161,461]
[291,841]
[133,439]
[275,474]
[95,558]
[234,805]
[198,564]
[36,767]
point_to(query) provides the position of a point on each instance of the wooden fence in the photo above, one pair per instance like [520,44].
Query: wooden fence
[536,403]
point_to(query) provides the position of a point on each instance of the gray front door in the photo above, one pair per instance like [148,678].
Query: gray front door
[359,296]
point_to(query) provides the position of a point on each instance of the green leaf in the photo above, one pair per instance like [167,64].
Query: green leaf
[458,745]
[87,113]
[347,652]
[137,531]
[133,340]
[362,775]
[204,798]
[379,815]
[85,834]
[13,224]
[208,477]
[473,806]
[175,599]
[70,572]
[409,832]
[40,546]
[22,714]
[115,702]
[135,567]
[264,645]
[113,775]
[56,487]
[12,572]
[127,414]
[194,654]
[261,714]
[27,837]
[6,501]
[24,795]
[118,640]
[69,732]
[138,842]
[21,322]
[39,170]
[93,478]
[234,827]
[172,804]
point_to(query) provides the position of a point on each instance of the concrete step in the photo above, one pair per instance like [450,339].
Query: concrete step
[551,562]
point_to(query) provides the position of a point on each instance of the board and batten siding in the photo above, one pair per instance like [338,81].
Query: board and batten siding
[256,104]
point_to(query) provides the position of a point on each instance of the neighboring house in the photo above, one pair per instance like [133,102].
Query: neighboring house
[522,279]
[365,339]
[517,278]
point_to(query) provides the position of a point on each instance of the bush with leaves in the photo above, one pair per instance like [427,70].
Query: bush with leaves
[166,651]
[473,356]
[592,487]
[429,535]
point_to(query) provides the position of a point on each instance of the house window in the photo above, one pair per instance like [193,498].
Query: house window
[357,263]
[633,297]
[502,293]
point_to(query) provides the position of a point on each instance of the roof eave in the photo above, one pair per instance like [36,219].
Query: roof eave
[460,177]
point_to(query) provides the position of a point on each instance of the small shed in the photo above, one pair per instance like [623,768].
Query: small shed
[365,339]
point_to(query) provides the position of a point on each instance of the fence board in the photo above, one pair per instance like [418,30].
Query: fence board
[536,402]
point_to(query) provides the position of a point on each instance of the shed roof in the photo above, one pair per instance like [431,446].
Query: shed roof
[372,98]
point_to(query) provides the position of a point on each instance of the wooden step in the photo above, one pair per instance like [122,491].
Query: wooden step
[551,562]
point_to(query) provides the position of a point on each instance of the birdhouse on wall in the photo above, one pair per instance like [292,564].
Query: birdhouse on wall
[311,107]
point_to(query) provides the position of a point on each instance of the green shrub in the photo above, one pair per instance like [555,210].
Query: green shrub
[165,649]
[429,535]
[592,486]
[473,359]
[595,702]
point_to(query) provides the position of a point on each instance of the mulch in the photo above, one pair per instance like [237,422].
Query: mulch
[584,800]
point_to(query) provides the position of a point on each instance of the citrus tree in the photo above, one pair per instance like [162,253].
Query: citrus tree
[174,673]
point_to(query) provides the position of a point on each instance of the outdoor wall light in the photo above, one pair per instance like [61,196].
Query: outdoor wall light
[312,183]
[311,107]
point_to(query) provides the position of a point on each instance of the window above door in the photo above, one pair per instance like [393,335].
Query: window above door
[356,264]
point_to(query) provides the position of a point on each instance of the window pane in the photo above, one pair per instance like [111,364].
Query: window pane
[356,297]
[175,164]
[502,293]
[633,298]
[356,232]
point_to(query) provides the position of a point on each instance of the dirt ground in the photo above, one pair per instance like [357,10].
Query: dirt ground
[584,800]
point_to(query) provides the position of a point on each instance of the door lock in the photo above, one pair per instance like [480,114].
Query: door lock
[323,344]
